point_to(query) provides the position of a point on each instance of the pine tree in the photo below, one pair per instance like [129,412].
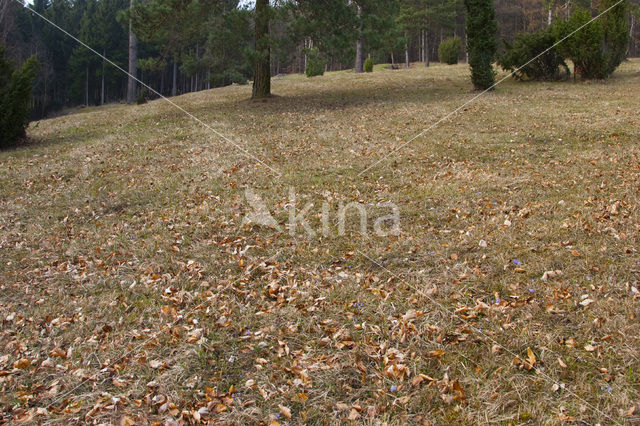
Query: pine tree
[229,37]
[359,64]
[548,64]
[616,33]
[84,62]
[481,41]
[597,47]
[15,95]
[428,18]
[133,61]
[262,65]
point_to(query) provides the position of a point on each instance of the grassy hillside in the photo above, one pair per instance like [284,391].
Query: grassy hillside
[133,289]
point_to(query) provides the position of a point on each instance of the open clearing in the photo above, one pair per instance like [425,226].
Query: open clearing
[131,291]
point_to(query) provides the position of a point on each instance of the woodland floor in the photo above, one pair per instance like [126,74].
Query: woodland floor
[130,290]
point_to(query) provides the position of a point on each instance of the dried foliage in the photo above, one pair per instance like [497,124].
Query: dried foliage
[131,292]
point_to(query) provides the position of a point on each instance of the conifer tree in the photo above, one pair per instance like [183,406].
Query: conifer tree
[262,65]
[481,41]
[616,33]
[15,95]
[596,47]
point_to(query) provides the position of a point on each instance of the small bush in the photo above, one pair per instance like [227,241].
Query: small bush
[449,50]
[315,63]
[368,65]
[141,98]
[548,67]
[15,93]
[598,48]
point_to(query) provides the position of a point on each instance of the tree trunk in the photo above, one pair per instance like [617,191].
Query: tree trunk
[359,56]
[174,84]
[196,68]
[631,40]
[359,48]
[406,52]
[304,49]
[550,17]
[102,83]
[86,87]
[133,61]
[44,97]
[262,67]
[6,26]
[426,49]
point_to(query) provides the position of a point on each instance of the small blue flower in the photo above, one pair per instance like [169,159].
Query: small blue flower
[588,278]
[517,262]
[393,388]
[531,290]
[497,301]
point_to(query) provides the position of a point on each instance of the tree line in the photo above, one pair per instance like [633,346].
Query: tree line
[180,46]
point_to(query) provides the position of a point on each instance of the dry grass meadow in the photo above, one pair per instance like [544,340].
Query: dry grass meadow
[131,292]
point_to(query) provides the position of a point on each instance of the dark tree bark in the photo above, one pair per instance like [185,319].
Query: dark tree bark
[359,56]
[104,53]
[6,20]
[359,48]
[196,82]
[133,61]
[305,55]
[426,49]
[631,41]
[174,86]
[86,87]
[262,67]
